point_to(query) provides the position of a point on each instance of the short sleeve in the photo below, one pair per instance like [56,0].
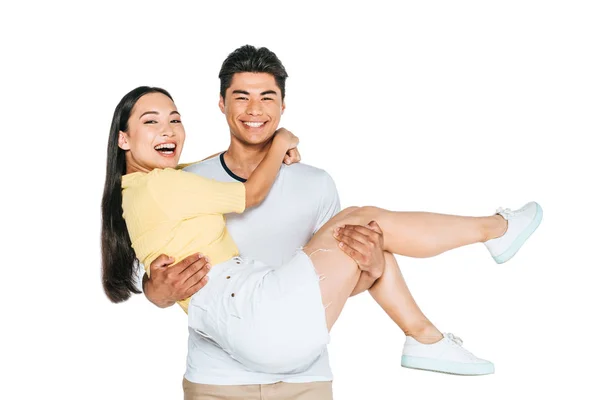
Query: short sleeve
[189,194]
[330,201]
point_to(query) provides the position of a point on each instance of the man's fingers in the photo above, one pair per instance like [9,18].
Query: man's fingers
[355,235]
[353,244]
[196,271]
[358,228]
[360,233]
[355,255]
[186,262]
[197,286]
[161,262]
[375,226]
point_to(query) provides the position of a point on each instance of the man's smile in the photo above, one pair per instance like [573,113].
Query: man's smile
[254,124]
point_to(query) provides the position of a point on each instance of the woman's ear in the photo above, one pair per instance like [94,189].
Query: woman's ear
[123,143]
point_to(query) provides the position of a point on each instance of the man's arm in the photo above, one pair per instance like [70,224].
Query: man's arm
[168,283]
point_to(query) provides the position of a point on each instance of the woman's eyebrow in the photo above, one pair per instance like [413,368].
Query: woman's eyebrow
[156,112]
[149,112]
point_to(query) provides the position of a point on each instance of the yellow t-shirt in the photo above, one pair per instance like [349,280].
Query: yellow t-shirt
[178,213]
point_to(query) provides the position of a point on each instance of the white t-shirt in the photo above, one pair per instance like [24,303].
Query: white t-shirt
[302,199]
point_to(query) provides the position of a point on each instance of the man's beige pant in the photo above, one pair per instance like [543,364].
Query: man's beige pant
[274,391]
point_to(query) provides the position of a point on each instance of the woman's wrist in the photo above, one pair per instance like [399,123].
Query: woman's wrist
[279,145]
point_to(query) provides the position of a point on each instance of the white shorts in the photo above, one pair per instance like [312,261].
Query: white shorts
[269,319]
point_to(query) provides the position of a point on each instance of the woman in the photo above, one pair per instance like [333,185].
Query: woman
[271,320]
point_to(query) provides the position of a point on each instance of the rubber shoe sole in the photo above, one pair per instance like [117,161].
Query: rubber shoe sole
[448,367]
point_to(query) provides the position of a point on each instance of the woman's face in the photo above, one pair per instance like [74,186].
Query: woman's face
[155,134]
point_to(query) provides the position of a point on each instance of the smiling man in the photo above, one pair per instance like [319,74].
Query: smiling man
[302,199]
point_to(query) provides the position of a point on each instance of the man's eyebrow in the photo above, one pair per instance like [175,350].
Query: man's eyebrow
[175,112]
[248,93]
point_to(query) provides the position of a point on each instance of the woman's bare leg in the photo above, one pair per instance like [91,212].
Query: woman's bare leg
[415,234]
[425,234]
[391,293]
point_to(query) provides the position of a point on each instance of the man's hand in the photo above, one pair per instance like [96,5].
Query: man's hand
[365,245]
[168,284]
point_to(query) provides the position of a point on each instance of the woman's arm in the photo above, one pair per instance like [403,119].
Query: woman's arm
[263,177]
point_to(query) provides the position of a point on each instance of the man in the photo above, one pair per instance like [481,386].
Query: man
[302,199]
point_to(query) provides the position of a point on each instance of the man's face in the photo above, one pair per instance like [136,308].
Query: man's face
[252,107]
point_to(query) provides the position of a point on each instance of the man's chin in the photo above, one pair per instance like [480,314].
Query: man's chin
[256,140]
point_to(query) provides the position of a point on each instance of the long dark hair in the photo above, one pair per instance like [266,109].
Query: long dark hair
[119,263]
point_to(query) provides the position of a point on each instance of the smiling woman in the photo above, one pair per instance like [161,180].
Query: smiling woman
[118,257]
[154,133]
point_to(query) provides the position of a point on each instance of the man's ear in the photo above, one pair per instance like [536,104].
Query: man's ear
[123,142]
[222,104]
[282,106]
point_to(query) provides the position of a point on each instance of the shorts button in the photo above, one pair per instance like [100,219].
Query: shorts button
[232,294]
[228,277]
[237,262]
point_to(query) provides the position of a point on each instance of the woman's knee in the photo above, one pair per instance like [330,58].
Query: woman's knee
[368,212]
[349,210]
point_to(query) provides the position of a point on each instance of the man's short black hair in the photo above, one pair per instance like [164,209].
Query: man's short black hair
[250,59]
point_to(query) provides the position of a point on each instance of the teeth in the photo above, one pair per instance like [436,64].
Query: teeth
[170,146]
[253,124]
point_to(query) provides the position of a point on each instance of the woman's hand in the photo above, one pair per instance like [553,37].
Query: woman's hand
[292,156]
[282,135]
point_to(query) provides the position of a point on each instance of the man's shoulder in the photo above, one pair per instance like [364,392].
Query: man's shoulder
[306,172]
[204,164]
[309,180]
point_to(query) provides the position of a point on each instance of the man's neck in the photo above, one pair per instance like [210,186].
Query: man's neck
[242,159]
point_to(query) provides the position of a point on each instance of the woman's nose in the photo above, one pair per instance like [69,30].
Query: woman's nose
[168,132]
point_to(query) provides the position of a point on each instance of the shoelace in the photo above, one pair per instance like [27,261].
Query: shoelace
[507,213]
[458,342]
[454,338]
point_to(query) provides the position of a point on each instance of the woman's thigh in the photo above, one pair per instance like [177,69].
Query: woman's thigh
[339,273]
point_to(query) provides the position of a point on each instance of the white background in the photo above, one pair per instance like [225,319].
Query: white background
[449,106]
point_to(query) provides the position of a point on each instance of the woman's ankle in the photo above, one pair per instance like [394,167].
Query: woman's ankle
[495,227]
[425,334]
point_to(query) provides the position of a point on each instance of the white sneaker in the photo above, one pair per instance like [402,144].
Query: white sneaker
[521,224]
[447,356]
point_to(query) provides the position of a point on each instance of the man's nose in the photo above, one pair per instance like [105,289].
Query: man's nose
[254,108]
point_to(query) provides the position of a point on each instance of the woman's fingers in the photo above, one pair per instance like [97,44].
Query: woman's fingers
[292,156]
